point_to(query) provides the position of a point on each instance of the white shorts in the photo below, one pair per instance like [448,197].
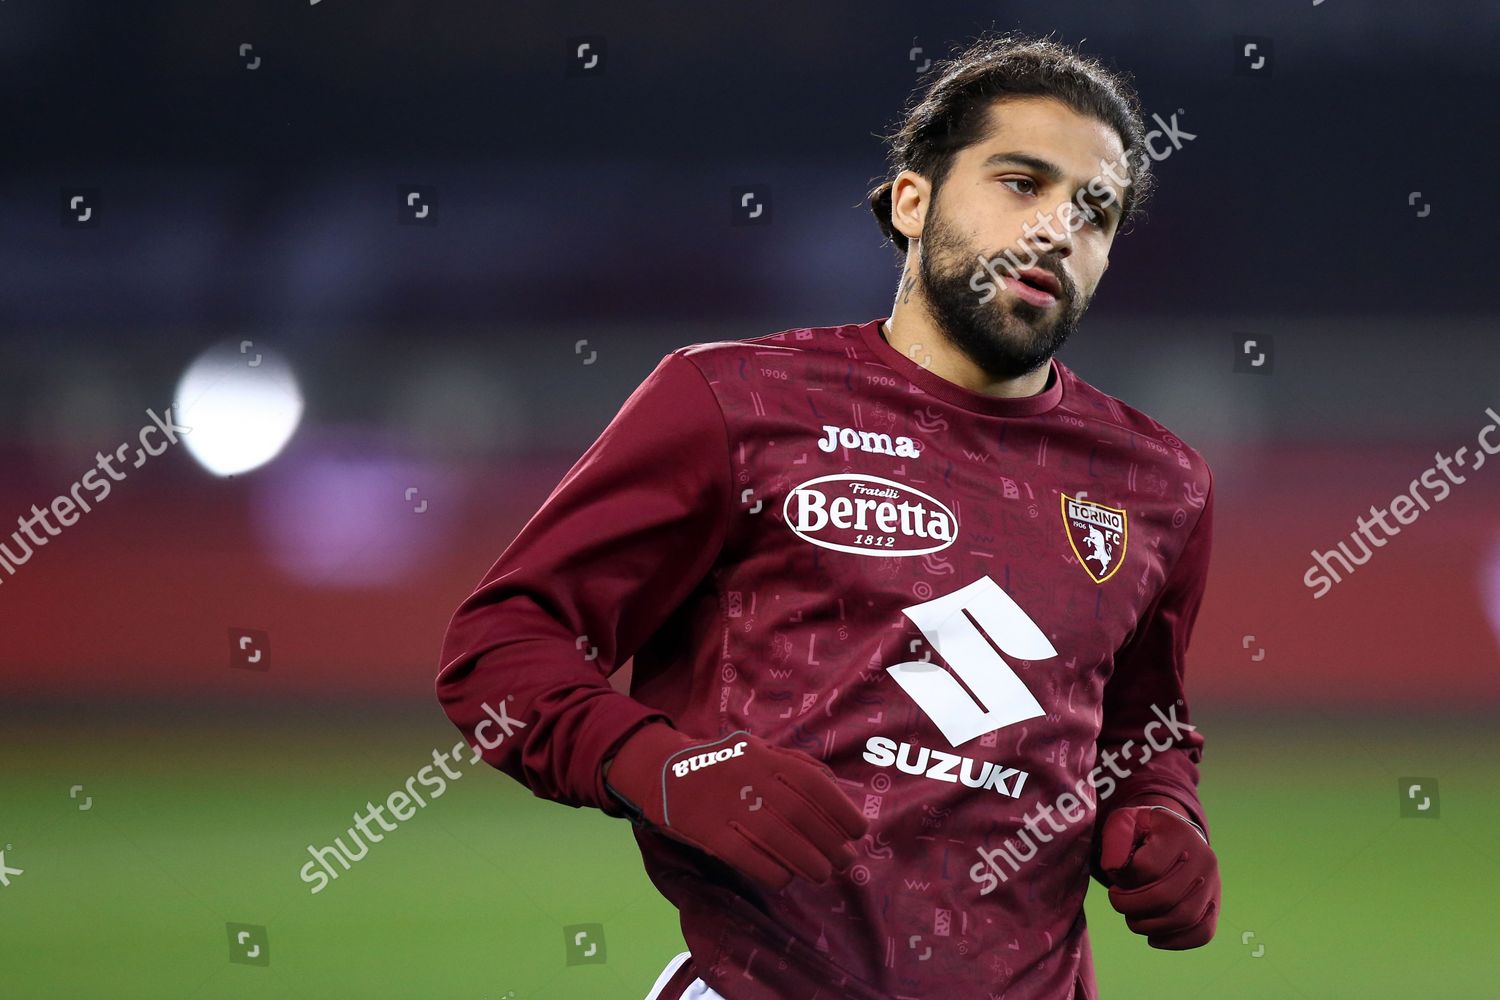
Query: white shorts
[696,990]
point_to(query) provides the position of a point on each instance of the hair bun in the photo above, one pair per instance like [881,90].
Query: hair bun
[880,206]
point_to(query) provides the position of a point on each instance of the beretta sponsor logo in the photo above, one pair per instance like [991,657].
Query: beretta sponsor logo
[869,516]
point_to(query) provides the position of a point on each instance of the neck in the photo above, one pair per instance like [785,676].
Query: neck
[912,331]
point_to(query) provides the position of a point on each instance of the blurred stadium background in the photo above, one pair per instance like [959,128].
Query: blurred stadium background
[244,169]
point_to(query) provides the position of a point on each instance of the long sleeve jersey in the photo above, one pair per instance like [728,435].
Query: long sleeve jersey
[973,609]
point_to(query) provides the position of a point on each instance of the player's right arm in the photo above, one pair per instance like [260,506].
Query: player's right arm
[626,535]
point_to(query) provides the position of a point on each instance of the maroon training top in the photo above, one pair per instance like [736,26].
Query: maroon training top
[973,609]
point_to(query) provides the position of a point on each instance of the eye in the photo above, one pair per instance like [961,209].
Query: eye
[1020,180]
[1095,216]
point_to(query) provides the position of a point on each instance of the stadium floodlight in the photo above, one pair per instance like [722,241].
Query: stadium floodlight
[243,405]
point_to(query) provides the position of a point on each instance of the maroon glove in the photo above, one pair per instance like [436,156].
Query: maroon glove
[766,811]
[1163,875]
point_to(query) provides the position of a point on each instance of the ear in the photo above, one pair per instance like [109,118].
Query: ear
[910,196]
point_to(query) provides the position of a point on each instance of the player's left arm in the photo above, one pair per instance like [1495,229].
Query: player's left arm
[1151,836]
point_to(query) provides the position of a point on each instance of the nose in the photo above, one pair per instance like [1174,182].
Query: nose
[1055,237]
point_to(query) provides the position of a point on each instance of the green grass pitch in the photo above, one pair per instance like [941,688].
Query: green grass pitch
[194,825]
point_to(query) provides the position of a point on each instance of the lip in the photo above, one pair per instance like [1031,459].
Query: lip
[1031,293]
[1043,279]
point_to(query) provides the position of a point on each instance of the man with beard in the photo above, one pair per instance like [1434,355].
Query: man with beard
[908,600]
[1034,153]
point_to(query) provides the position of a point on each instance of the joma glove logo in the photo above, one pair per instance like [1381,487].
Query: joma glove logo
[693,763]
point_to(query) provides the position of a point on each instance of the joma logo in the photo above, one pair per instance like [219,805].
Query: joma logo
[693,763]
[880,444]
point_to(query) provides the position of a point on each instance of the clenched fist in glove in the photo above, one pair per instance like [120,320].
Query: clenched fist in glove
[1163,876]
[766,811]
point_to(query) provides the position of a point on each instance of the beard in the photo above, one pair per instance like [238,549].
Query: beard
[1006,336]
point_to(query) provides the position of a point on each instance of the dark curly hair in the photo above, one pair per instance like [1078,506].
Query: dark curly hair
[952,113]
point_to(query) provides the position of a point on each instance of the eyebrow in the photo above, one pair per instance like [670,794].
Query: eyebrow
[1049,170]
[1046,168]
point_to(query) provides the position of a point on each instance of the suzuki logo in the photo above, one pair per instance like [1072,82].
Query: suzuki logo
[1002,698]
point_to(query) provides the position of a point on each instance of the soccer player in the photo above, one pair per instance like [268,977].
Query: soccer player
[908,599]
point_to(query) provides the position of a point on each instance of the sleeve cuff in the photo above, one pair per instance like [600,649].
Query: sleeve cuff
[1174,799]
[619,722]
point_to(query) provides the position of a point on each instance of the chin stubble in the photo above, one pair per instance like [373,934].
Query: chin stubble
[1001,336]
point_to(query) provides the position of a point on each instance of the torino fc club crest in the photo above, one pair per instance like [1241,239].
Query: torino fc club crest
[1097,534]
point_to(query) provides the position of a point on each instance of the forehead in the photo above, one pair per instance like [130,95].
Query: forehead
[1047,128]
